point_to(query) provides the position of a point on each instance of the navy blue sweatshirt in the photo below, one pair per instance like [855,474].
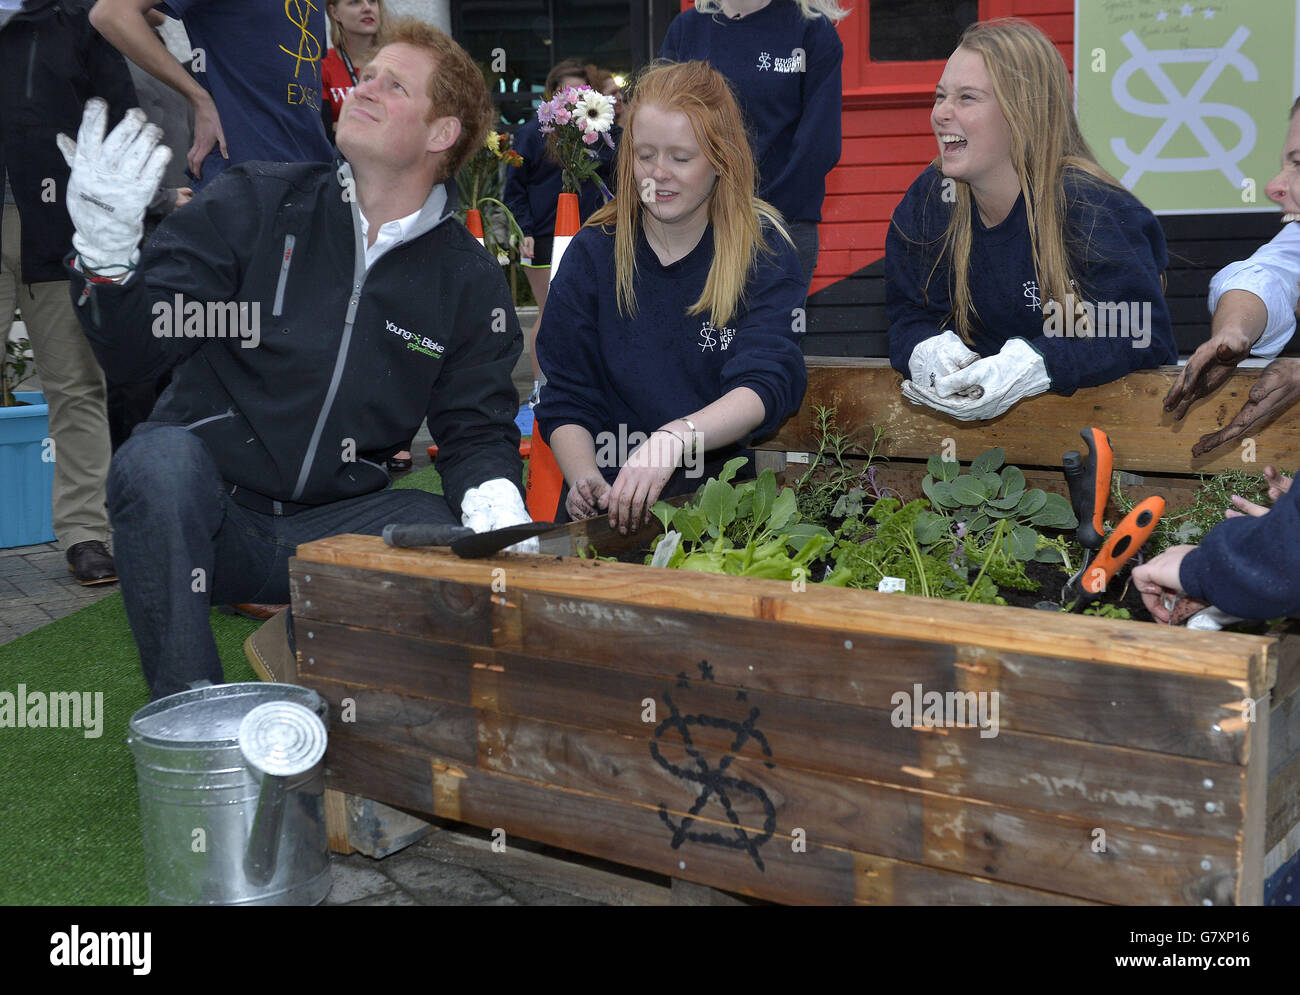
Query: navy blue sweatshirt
[1250,567]
[1118,253]
[605,370]
[791,105]
[532,190]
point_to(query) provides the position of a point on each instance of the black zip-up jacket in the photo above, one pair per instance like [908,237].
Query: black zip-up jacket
[346,362]
[51,62]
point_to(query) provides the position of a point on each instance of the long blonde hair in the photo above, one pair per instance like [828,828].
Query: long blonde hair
[809,8]
[1032,87]
[736,214]
[336,33]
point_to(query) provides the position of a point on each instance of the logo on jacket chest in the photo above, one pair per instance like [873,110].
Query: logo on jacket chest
[416,342]
[707,332]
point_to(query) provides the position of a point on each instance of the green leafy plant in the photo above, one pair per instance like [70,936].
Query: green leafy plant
[835,485]
[1106,610]
[1207,510]
[14,367]
[750,529]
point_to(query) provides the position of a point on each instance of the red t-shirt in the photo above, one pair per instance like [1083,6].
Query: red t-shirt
[336,84]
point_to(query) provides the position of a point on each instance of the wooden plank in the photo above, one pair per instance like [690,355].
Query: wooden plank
[765,798]
[634,834]
[1250,881]
[336,821]
[1283,814]
[1035,432]
[1248,660]
[1044,773]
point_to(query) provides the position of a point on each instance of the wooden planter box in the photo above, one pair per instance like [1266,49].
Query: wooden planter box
[741,734]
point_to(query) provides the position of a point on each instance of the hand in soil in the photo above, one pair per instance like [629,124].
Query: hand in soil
[588,497]
[1158,582]
[1210,365]
[1277,389]
[641,480]
[1278,484]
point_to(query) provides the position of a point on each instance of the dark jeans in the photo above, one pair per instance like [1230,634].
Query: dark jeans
[181,544]
[807,246]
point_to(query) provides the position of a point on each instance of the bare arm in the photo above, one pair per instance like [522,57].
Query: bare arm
[1237,324]
[123,23]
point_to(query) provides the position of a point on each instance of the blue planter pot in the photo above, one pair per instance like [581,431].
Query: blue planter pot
[26,480]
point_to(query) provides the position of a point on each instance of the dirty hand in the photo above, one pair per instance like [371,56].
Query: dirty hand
[1210,366]
[641,480]
[112,181]
[1158,582]
[1277,389]
[207,133]
[1278,484]
[588,497]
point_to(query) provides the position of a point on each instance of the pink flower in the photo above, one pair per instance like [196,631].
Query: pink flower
[545,112]
[608,141]
[546,129]
[591,137]
[563,115]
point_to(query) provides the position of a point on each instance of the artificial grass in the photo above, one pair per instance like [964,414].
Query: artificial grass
[71,835]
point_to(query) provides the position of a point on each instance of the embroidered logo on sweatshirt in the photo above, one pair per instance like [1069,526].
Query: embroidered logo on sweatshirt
[417,342]
[794,64]
[1031,292]
[708,342]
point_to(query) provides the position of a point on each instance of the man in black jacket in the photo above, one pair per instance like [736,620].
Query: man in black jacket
[312,315]
[51,61]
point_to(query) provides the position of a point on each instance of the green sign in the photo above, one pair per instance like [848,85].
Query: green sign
[1186,104]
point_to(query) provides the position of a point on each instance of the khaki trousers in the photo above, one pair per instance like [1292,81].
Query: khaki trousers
[73,385]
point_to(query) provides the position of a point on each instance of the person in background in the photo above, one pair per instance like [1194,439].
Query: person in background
[533,189]
[783,59]
[1253,302]
[50,60]
[355,27]
[130,403]
[256,89]
[997,247]
[670,318]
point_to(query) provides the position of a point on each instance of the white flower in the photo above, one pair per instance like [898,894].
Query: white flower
[595,111]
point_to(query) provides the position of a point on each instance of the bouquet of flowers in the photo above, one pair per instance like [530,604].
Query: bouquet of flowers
[576,119]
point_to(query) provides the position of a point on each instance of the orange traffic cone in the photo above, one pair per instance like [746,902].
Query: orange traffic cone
[474,222]
[545,481]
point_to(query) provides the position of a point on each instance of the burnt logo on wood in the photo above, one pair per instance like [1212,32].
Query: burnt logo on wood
[714,783]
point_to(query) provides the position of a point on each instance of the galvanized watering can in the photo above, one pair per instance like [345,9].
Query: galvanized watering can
[232,795]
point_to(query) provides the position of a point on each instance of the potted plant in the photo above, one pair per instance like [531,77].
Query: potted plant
[26,453]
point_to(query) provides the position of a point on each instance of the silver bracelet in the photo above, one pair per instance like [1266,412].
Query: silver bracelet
[695,436]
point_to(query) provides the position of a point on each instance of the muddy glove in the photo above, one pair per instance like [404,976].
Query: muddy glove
[494,504]
[1016,372]
[937,357]
[113,180]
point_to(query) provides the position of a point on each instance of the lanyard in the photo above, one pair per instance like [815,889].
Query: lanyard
[347,64]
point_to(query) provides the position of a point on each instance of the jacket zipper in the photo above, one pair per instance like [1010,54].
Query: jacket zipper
[278,306]
[358,280]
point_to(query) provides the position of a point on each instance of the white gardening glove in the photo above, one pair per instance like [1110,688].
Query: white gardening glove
[937,357]
[494,504]
[112,182]
[1016,372]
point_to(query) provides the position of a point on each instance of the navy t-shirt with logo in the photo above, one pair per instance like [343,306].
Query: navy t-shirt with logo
[784,70]
[617,374]
[261,63]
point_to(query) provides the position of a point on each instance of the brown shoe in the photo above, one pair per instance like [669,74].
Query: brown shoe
[91,563]
[259,613]
[267,650]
